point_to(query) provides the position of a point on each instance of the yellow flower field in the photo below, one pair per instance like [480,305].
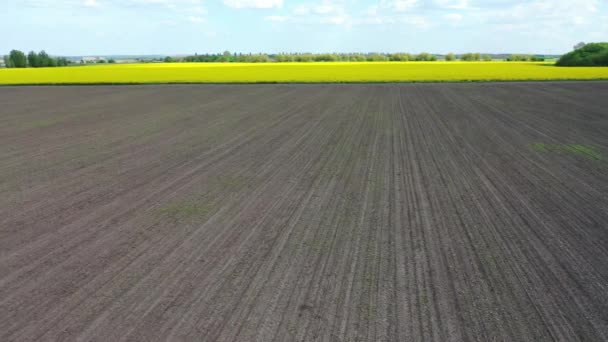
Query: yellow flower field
[300,72]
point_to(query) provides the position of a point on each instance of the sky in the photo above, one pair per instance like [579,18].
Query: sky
[105,27]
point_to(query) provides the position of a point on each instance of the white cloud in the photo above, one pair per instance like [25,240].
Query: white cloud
[453,4]
[90,3]
[403,13]
[194,19]
[402,5]
[340,19]
[372,10]
[277,18]
[331,12]
[167,2]
[198,10]
[253,3]
[301,10]
[453,16]
[542,14]
[377,20]
[418,22]
[325,9]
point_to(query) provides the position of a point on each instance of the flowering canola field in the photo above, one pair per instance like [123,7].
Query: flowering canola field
[299,72]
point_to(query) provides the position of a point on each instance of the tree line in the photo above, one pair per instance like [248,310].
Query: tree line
[592,54]
[524,58]
[227,57]
[18,59]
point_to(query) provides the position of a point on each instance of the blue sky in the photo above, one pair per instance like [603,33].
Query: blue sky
[90,27]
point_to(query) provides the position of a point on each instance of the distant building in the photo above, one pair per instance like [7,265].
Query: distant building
[91,59]
[125,60]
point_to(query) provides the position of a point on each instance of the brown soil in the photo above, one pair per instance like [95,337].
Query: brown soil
[304,212]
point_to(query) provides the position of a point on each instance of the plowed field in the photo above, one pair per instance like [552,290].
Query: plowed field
[379,212]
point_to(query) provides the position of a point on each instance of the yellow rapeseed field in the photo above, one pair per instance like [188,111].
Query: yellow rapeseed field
[300,72]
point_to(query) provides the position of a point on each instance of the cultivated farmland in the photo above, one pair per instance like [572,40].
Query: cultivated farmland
[347,72]
[378,212]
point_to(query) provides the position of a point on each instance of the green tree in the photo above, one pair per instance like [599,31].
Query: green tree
[376,57]
[523,58]
[284,57]
[344,57]
[62,61]
[33,60]
[17,59]
[257,58]
[304,57]
[450,57]
[226,56]
[471,57]
[357,57]
[400,57]
[326,57]
[44,60]
[592,54]
[425,56]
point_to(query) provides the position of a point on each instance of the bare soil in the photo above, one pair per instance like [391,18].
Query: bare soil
[380,212]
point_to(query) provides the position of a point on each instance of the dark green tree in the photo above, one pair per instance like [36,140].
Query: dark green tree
[62,61]
[400,57]
[425,56]
[470,57]
[226,56]
[44,60]
[357,57]
[284,57]
[592,54]
[33,60]
[17,59]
